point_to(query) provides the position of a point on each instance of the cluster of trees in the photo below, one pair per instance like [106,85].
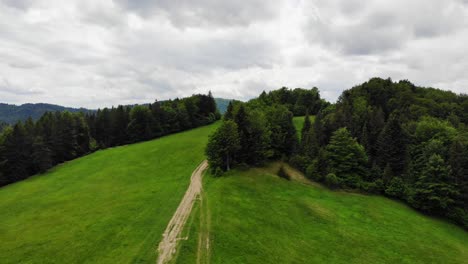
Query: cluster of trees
[129,124]
[385,137]
[29,147]
[261,129]
[396,139]
[299,101]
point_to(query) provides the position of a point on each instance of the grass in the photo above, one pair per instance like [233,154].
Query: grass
[257,217]
[108,207]
[298,122]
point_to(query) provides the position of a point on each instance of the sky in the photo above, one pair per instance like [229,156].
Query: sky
[89,53]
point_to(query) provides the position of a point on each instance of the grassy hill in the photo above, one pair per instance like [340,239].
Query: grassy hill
[253,216]
[108,207]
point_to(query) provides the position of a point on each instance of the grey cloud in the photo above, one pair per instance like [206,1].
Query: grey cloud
[7,87]
[381,26]
[187,13]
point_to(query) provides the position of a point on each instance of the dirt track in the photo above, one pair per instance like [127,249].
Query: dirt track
[168,245]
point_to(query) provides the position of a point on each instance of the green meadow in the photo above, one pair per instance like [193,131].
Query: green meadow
[111,206]
[254,216]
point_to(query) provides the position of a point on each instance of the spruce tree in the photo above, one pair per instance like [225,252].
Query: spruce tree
[229,115]
[391,146]
[346,158]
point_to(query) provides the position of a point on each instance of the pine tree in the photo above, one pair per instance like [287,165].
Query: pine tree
[346,158]
[391,146]
[433,192]
[309,144]
[229,115]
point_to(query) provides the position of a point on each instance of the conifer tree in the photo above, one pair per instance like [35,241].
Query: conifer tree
[391,146]
[346,158]
[223,146]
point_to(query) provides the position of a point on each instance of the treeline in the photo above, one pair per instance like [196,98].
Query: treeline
[261,129]
[396,139]
[29,147]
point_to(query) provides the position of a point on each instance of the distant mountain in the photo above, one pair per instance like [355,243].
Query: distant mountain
[12,113]
[222,104]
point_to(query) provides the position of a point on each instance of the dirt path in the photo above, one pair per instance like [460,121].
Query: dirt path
[167,246]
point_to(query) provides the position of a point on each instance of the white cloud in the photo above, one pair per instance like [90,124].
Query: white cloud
[102,53]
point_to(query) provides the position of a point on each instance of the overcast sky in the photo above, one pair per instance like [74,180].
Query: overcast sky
[96,53]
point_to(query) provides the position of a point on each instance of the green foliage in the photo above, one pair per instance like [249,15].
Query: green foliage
[332,181]
[309,141]
[346,158]
[391,146]
[396,188]
[433,191]
[300,162]
[283,135]
[223,146]
[139,127]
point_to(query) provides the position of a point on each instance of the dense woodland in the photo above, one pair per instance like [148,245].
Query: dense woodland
[32,147]
[383,137]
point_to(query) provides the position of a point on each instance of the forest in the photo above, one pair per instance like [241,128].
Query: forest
[32,147]
[381,137]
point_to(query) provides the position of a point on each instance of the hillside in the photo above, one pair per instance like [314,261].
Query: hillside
[12,113]
[253,216]
[108,207]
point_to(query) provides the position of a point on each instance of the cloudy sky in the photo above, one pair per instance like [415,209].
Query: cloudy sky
[96,53]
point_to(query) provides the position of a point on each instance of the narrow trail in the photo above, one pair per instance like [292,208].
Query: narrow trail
[168,245]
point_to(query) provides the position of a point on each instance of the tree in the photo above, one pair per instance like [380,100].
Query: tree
[253,134]
[396,188]
[223,145]
[391,146]
[284,140]
[309,144]
[139,127]
[346,158]
[15,153]
[41,155]
[433,193]
[229,115]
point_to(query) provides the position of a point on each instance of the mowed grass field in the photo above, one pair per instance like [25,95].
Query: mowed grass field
[253,216]
[108,207]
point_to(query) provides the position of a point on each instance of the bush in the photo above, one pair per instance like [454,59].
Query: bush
[376,187]
[331,180]
[396,188]
[217,172]
[283,174]
[313,172]
[299,162]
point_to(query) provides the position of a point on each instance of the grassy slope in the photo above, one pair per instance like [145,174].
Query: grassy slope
[257,217]
[299,122]
[108,207]
[254,216]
